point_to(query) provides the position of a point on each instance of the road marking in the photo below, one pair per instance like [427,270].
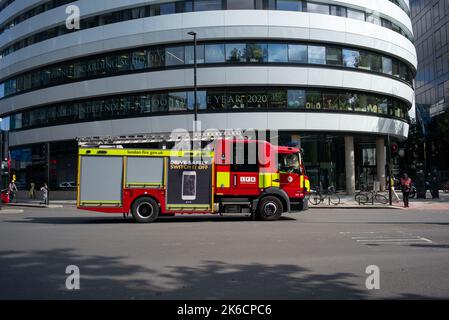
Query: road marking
[395,237]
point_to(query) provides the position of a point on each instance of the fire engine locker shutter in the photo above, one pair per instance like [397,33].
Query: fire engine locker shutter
[101,179]
[144,172]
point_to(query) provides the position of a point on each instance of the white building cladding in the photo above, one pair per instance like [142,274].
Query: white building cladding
[320,70]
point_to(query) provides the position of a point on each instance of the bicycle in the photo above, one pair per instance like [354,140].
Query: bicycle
[364,197]
[316,196]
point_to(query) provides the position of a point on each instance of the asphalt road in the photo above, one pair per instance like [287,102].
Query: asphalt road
[319,255]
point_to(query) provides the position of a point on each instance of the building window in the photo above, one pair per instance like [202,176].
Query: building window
[317,8]
[333,56]
[297,53]
[338,11]
[331,100]
[277,52]
[314,99]
[351,58]
[296,99]
[317,55]
[289,5]
[278,99]
[177,101]
[239,4]
[356,14]
[215,53]
[235,52]
[190,57]
[256,52]
[387,65]
[207,5]
[174,56]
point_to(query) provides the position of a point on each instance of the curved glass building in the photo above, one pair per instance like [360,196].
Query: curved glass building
[335,77]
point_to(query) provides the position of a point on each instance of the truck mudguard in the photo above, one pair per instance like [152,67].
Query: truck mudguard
[276,192]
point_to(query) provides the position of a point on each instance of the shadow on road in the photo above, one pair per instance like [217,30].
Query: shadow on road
[41,275]
[118,220]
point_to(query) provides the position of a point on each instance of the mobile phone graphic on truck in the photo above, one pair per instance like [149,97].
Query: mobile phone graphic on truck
[189,185]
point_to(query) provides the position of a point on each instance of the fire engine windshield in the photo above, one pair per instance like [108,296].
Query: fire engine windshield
[289,163]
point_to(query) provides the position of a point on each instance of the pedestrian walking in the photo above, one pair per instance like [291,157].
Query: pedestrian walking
[406,186]
[32,192]
[44,190]
[12,190]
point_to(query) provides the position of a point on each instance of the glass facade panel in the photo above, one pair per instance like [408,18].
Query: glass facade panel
[278,99]
[365,61]
[376,63]
[235,52]
[174,56]
[387,65]
[317,55]
[356,14]
[314,99]
[296,99]
[201,100]
[277,52]
[338,11]
[331,100]
[317,8]
[214,53]
[289,5]
[211,99]
[207,5]
[351,58]
[240,4]
[297,53]
[177,101]
[139,60]
[156,58]
[190,57]
[256,52]
[333,56]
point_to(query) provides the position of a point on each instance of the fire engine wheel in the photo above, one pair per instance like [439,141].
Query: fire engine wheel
[270,209]
[145,210]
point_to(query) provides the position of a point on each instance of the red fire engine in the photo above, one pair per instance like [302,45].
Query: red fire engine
[235,177]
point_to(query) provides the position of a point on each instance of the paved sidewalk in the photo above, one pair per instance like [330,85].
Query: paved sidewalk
[348,202]
[37,204]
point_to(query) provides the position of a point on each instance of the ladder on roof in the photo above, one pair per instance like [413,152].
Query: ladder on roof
[157,138]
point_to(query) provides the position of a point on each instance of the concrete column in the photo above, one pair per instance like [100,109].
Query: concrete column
[350,164]
[381,162]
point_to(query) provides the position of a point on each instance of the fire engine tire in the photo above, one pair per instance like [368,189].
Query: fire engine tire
[145,210]
[270,209]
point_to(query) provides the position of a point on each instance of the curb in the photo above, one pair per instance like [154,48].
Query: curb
[10,211]
[30,205]
[357,207]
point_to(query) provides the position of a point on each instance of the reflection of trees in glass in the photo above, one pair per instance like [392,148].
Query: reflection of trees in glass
[255,52]
[236,55]
[351,58]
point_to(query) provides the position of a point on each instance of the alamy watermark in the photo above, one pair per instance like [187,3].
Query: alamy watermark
[72,22]
[72,281]
[373,280]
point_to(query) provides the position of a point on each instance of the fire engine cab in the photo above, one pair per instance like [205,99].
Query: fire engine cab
[230,176]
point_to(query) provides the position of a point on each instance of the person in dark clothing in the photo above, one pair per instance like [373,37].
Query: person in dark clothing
[435,184]
[406,186]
